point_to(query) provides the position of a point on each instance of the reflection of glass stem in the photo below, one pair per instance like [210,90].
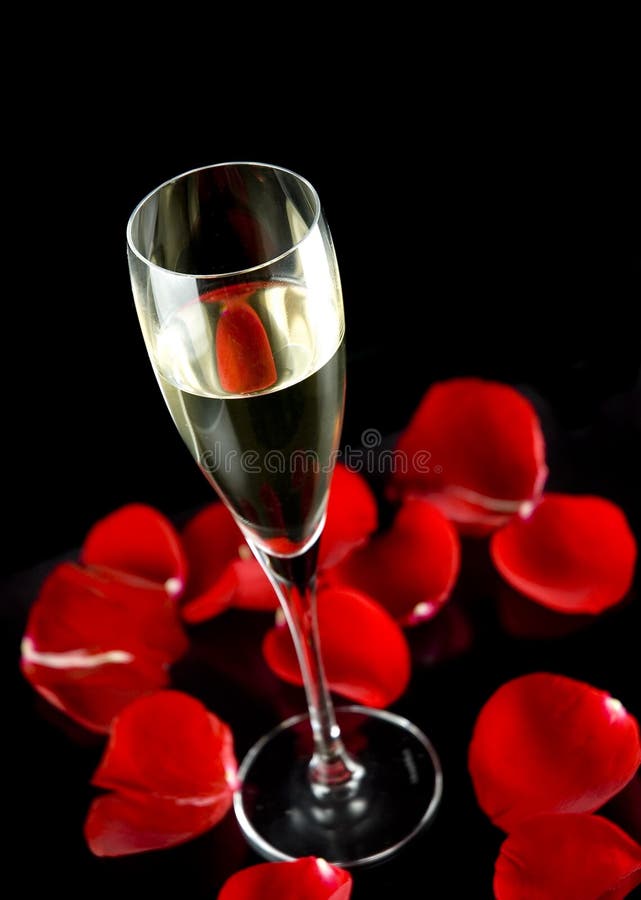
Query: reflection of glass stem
[332,771]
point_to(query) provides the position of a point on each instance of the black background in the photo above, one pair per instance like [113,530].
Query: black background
[495,242]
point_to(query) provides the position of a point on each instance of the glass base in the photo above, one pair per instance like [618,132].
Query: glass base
[395,798]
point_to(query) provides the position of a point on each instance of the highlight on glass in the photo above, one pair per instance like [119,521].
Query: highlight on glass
[238,295]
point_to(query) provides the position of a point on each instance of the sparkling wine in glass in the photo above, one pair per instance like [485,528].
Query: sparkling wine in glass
[238,296]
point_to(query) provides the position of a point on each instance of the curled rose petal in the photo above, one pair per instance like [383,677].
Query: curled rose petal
[365,653]
[351,516]
[476,450]
[97,639]
[309,877]
[546,743]
[223,572]
[572,554]
[139,540]
[170,765]
[567,857]
[412,568]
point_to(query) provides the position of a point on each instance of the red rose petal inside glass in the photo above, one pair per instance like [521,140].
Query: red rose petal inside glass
[477,445]
[171,766]
[244,357]
[141,541]
[546,743]
[573,554]
[412,568]
[310,878]
[352,516]
[567,857]
[97,639]
[223,572]
[365,653]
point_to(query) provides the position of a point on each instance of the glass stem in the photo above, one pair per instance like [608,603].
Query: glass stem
[331,769]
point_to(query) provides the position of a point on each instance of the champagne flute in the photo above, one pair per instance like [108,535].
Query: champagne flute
[238,295]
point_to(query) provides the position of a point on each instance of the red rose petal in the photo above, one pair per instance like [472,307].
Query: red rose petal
[171,765]
[253,588]
[97,639]
[223,572]
[139,540]
[152,739]
[412,568]
[92,698]
[121,824]
[217,599]
[474,448]
[243,354]
[101,609]
[546,743]
[567,857]
[572,554]
[365,653]
[352,516]
[309,877]
[211,540]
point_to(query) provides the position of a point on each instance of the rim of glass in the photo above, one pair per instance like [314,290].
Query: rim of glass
[213,275]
